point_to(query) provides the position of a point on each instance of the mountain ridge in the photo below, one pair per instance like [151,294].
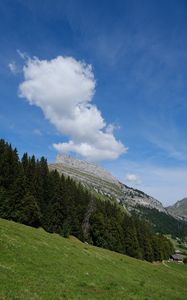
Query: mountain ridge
[103,182]
[179,209]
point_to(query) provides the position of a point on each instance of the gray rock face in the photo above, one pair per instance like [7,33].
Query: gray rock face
[101,181]
[179,209]
[85,167]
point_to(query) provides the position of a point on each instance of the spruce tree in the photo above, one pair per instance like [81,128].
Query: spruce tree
[29,212]
[130,238]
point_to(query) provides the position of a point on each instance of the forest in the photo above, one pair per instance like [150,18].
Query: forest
[32,195]
[164,223]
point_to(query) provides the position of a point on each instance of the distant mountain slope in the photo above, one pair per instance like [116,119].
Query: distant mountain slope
[95,177]
[179,209]
[35,264]
[165,224]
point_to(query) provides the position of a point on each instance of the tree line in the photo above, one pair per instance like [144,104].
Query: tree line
[32,195]
[164,223]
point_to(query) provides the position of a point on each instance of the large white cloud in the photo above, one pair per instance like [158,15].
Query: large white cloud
[63,88]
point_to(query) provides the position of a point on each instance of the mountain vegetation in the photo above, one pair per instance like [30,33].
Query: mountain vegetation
[33,195]
[37,265]
[163,223]
[105,186]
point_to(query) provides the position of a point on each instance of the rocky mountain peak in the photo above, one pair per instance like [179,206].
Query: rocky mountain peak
[103,182]
[179,209]
[85,167]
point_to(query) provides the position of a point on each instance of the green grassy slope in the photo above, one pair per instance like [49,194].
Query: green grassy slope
[178,245]
[38,265]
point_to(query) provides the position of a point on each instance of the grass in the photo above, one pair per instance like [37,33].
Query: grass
[38,265]
[180,268]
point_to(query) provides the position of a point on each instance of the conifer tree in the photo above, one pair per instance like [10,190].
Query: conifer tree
[9,164]
[55,216]
[130,238]
[29,212]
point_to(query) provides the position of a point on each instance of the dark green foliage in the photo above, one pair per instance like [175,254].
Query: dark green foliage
[9,164]
[3,203]
[29,212]
[114,230]
[106,226]
[185,260]
[164,223]
[32,195]
[132,246]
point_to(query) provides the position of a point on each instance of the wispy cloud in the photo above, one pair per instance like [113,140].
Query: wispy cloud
[37,131]
[163,131]
[171,146]
[13,67]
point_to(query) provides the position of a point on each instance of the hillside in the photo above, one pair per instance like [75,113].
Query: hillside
[100,180]
[179,209]
[103,184]
[32,195]
[38,265]
[164,223]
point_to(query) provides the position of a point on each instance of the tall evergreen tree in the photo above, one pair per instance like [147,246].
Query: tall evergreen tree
[29,212]
[132,247]
[9,164]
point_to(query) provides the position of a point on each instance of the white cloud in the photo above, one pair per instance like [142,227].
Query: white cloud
[13,67]
[133,178]
[22,55]
[63,88]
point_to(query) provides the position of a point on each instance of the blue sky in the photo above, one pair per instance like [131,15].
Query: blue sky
[137,83]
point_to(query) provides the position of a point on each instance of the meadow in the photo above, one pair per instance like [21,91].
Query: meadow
[35,264]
